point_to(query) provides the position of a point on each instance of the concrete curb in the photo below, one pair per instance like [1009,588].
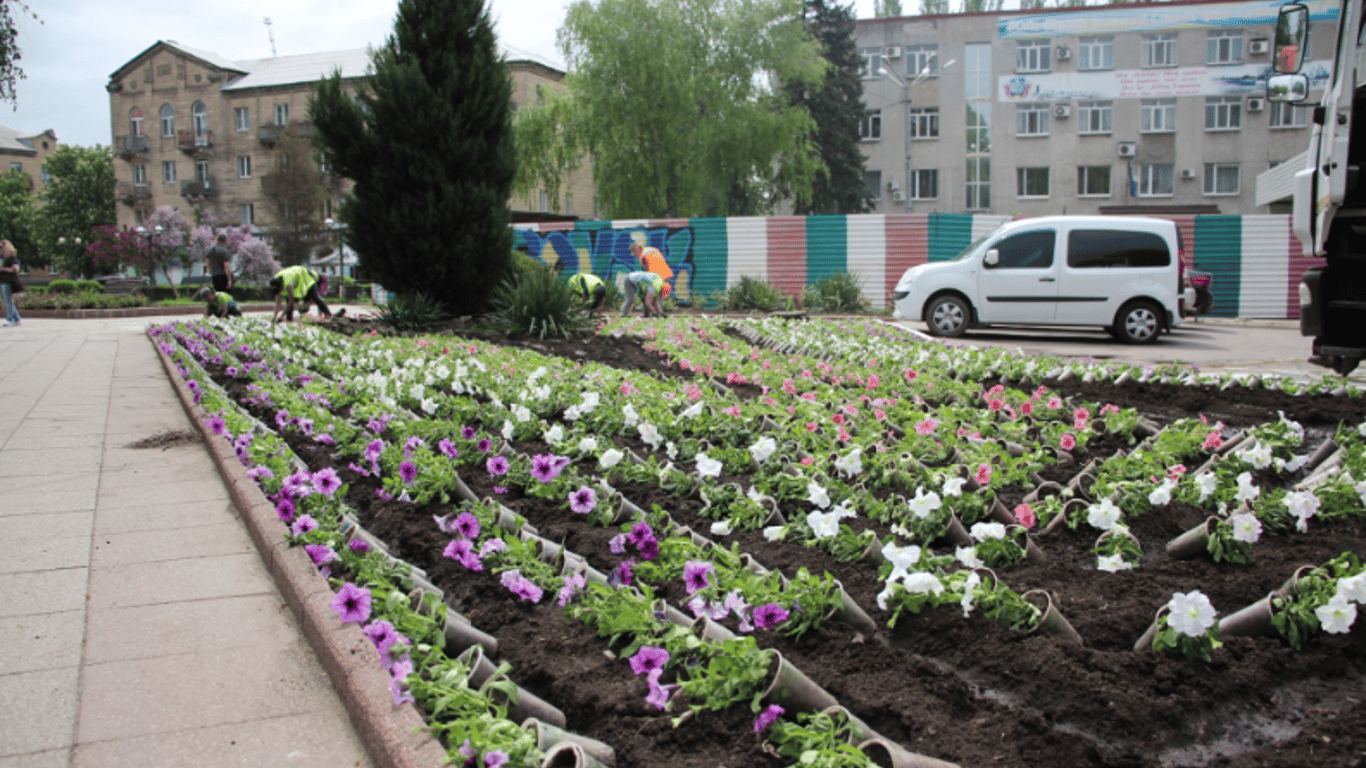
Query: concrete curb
[394,736]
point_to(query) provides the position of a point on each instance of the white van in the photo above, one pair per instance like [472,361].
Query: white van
[1122,273]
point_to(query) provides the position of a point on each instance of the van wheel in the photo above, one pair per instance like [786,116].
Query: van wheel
[947,316]
[1138,323]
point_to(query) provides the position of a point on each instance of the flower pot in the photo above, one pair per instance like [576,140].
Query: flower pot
[701,541]
[672,614]
[1194,542]
[1053,622]
[481,667]
[793,690]
[426,586]
[711,631]
[461,635]
[859,731]
[1060,520]
[886,753]
[1033,554]
[527,704]
[357,533]
[752,565]
[1251,621]
[1045,489]
[956,534]
[550,738]
[1327,448]
[1000,514]
[1107,534]
[1081,484]
[1145,641]
[464,491]
[1291,587]
[852,613]
[547,550]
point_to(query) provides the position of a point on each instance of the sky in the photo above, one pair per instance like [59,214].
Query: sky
[68,57]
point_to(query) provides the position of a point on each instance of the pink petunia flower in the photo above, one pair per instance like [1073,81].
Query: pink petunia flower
[983,474]
[1067,442]
[1024,515]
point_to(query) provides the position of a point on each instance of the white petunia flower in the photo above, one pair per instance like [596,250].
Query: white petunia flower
[572,413]
[968,557]
[707,466]
[1337,616]
[1259,455]
[987,531]
[507,429]
[968,586]
[886,594]
[629,412]
[817,495]
[1246,527]
[1162,494]
[692,411]
[590,401]
[428,406]
[1190,614]
[521,413]
[1206,483]
[922,582]
[610,458]
[1112,563]
[763,448]
[1246,490]
[924,503]
[901,558]
[650,435]
[1103,515]
[555,434]
[953,486]
[823,524]
[1304,505]
[671,449]
[775,533]
[1353,588]
[588,445]
[721,528]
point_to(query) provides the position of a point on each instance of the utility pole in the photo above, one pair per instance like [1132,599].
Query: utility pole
[271,34]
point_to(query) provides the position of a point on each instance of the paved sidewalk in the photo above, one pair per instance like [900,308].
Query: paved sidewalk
[141,626]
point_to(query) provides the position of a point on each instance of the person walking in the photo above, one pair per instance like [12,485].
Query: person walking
[218,263]
[9,282]
[590,288]
[292,285]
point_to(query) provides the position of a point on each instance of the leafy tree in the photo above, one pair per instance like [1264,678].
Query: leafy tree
[428,143]
[982,6]
[18,212]
[79,198]
[836,104]
[675,103]
[297,189]
[256,265]
[10,71]
[933,7]
[884,9]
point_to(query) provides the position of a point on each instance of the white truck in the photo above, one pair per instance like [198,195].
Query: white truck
[1329,198]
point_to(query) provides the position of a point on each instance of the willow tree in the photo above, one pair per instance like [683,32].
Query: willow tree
[680,104]
[428,142]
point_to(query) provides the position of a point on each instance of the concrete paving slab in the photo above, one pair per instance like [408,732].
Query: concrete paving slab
[177,458]
[46,554]
[36,592]
[56,758]
[53,495]
[42,461]
[119,491]
[128,518]
[41,524]
[41,641]
[209,540]
[165,694]
[297,740]
[154,468]
[37,709]
[255,621]
[120,586]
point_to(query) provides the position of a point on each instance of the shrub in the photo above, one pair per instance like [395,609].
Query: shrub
[538,303]
[415,312]
[838,292]
[89,286]
[62,286]
[522,264]
[750,295]
[80,301]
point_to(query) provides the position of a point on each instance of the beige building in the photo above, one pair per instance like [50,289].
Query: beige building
[188,123]
[27,155]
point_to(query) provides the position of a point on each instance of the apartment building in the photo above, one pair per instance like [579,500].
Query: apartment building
[27,154]
[1132,108]
[190,123]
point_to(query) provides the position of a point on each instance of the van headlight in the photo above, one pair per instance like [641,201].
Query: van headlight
[1306,295]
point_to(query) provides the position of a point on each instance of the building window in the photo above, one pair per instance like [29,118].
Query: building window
[922,59]
[1223,113]
[1093,181]
[201,172]
[977,80]
[168,171]
[167,121]
[16,167]
[1224,47]
[1221,178]
[135,121]
[1095,116]
[46,174]
[282,114]
[1033,56]
[140,175]
[1157,116]
[199,120]
[924,122]
[979,91]
[1031,182]
[242,119]
[244,166]
[873,181]
[1096,53]
[1031,120]
[545,202]
[872,62]
[870,125]
[1156,180]
[978,172]
[246,214]
[1286,115]
[1159,50]
[924,184]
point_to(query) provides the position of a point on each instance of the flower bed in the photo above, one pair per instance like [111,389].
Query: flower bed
[856,467]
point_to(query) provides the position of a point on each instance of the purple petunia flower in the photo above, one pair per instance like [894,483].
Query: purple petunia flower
[299,484]
[583,501]
[407,472]
[282,419]
[352,603]
[326,481]
[325,439]
[306,426]
[495,759]
[617,545]
[697,575]
[623,573]
[640,532]
[485,444]
[462,551]
[383,494]
[396,687]
[320,553]
[497,465]
[467,433]
[468,751]
[491,546]
[658,697]
[767,717]
[358,546]
[649,548]
[649,658]
[216,424]
[286,510]
[466,525]
[303,525]
[769,616]
[528,591]
[260,472]
[500,489]
[358,469]
[373,450]
[545,467]
[448,449]
[572,586]
[375,425]
[381,633]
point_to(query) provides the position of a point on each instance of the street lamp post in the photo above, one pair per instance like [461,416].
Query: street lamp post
[149,234]
[906,86]
[340,229]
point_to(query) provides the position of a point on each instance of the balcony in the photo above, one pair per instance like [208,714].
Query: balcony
[206,188]
[269,134]
[133,193]
[130,146]
[195,142]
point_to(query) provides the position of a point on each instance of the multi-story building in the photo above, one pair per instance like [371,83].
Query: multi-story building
[190,123]
[27,155]
[1133,108]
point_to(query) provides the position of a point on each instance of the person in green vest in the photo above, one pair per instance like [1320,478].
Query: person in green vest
[292,285]
[589,288]
[218,303]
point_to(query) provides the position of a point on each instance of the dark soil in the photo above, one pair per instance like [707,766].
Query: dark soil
[963,690]
[167,439]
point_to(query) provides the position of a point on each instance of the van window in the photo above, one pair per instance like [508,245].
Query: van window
[1100,248]
[1026,250]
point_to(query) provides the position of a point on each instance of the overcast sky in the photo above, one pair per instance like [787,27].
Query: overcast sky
[67,59]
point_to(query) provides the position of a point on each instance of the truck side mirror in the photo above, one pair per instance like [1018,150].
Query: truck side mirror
[992,258]
[1292,36]
[1290,88]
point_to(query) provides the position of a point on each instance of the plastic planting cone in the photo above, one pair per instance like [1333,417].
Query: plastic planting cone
[1252,621]
[548,737]
[885,753]
[793,690]
[1052,622]
[1192,543]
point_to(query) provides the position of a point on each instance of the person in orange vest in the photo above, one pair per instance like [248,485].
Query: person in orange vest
[651,260]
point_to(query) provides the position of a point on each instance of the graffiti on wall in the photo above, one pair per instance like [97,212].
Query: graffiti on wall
[607,252]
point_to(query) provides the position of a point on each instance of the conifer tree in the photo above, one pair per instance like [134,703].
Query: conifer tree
[428,143]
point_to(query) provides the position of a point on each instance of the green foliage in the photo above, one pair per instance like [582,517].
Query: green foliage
[838,292]
[35,299]
[1193,649]
[62,286]
[10,71]
[295,184]
[750,295]
[89,286]
[523,265]
[18,216]
[821,741]
[428,142]
[79,198]
[538,303]
[412,312]
[683,123]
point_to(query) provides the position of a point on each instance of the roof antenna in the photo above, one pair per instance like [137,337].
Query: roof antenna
[271,34]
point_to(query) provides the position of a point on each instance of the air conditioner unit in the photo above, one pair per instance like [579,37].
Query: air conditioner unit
[1259,47]
[892,52]
[898,197]
[1256,104]
[1187,173]
[892,186]
[1127,149]
[1064,53]
[1062,111]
